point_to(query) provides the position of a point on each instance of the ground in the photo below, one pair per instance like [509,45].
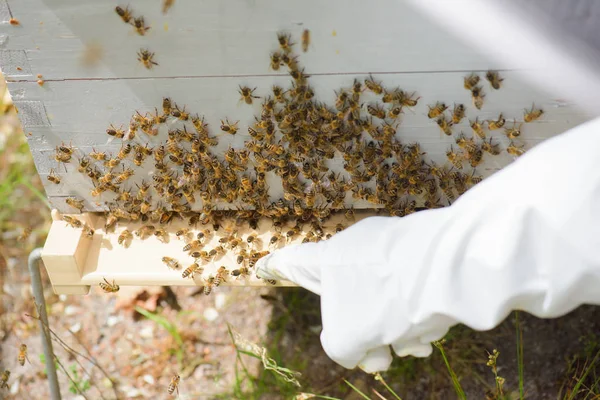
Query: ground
[242,343]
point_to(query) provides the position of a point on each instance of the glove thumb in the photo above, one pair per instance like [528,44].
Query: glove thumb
[300,264]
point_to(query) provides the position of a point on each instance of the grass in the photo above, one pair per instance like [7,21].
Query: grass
[170,327]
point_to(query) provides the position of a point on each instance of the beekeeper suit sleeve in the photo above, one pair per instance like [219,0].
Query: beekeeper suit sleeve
[527,238]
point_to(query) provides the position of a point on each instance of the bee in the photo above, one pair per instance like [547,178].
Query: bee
[4,379]
[278,94]
[125,237]
[533,114]
[88,231]
[458,113]
[208,285]
[407,100]
[124,13]
[166,105]
[22,354]
[171,263]
[227,127]
[373,86]
[477,128]
[475,157]
[24,235]
[147,58]
[515,150]
[62,157]
[161,235]
[73,222]
[445,126]
[115,132]
[454,158]
[395,112]
[305,40]
[477,96]
[145,231]
[123,176]
[241,272]
[84,162]
[166,5]
[193,245]
[275,238]
[98,156]
[203,234]
[247,94]
[222,272]
[275,61]
[284,42]
[52,177]
[499,123]
[436,110]
[192,270]
[376,111]
[471,81]
[182,233]
[140,26]
[513,132]
[112,163]
[490,148]
[494,78]
[108,287]
[124,151]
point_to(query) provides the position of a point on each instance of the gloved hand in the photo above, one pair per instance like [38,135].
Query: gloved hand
[527,238]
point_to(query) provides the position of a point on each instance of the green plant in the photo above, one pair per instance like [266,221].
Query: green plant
[455,382]
[520,361]
[43,361]
[77,384]
[170,327]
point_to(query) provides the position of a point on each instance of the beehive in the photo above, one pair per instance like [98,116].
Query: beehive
[90,77]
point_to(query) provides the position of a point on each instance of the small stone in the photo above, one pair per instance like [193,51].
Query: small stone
[112,320]
[75,327]
[149,379]
[147,332]
[220,300]
[71,310]
[210,314]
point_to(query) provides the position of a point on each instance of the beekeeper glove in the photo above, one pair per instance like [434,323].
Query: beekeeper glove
[527,238]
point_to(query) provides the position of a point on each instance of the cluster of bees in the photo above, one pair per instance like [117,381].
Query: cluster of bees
[21,359]
[294,139]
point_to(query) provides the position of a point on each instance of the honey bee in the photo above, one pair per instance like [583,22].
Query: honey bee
[475,157]
[166,5]
[275,238]
[395,112]
[275,61]
[88,231]
[376,111]
[454,158]
[305,40]
[471,81]
[125,237]
[171,263]
[445,126]
[513,132]
[4,379]
[247,94]
[284,42]
[241,272]
[436,110]
[147,58]
[278,94]
[490,148]
[203,234]
[533,114]
[115,132]
[227,127]
[477,96]
[145,231]
[124,13]
[166,105]
[140,26]
[477,128]
[22,354]
[458,113]
[98,156]
[52,177]
[515,150]
[192,270]
[161,235]
[494,78]
[373,86]
[182,233]
[112,163]
[73,222]
[108,287]
[208,285]
[124,151]
[222,272]
[24,235]
[499,123]
[193,245]
[84,162]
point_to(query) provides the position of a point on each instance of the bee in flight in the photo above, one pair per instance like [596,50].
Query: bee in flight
[108,287]
[174,385]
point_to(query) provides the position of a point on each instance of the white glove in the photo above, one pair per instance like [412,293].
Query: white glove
[527,238]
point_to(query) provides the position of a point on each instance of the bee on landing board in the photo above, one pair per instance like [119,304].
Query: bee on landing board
[108,287]
[247,94]
[146,57]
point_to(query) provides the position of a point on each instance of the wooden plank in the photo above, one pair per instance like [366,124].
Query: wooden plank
[234,38]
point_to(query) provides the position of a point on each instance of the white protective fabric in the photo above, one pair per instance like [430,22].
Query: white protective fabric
[527,238]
